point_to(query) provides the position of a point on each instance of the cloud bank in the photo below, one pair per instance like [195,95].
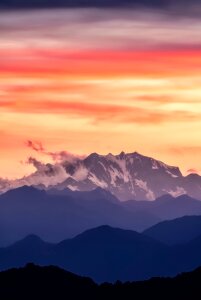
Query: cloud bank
[99,29]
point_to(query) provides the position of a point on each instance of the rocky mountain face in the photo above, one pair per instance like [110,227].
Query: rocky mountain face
[129,176]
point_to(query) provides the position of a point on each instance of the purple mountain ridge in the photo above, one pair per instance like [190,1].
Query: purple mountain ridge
[126,176]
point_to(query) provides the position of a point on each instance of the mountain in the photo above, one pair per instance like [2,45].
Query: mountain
[56,215]
[106,254]
[50,282]
[110,254]
[129,176]
[177,231]
[103,253]
[167,207]
[31,248]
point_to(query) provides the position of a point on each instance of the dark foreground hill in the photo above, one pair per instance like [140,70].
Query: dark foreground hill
[33,282]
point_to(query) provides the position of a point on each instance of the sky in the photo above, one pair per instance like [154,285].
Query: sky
[100,80]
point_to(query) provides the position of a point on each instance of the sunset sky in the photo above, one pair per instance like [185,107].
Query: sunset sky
[90,80]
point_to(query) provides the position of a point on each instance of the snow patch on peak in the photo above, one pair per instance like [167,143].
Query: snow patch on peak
[178,192]
[114,174]
[154,164]
[103,166]
[171,174]
[121,162]
[122,165]
[92,177]
[73,188]
[143,185]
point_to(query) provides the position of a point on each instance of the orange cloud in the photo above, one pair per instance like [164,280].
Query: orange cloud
[100,112]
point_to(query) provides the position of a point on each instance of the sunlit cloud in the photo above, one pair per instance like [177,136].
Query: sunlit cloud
[100,80]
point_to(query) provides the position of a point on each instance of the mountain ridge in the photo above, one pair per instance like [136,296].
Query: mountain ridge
[55,215]
[126,176]
[177,231]
[107,254]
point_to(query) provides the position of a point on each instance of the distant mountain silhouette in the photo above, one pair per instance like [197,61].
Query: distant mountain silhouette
[34,282]
[103,253]
[167,207]
[176,231]
[57,215]
[106,254]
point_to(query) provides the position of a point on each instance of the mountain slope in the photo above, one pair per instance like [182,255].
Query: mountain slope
[167,207]
[177,231]
[127,176]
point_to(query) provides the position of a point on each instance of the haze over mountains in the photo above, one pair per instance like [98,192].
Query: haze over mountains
[129,176]
[56,215]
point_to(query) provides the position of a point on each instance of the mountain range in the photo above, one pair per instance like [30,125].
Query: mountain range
[56,215]
[129,176]
[107,254]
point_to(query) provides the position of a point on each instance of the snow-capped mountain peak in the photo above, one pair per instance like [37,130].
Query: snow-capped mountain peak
[125,175]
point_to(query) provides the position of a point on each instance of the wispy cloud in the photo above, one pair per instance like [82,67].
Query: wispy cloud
[99,113]
[57,156]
